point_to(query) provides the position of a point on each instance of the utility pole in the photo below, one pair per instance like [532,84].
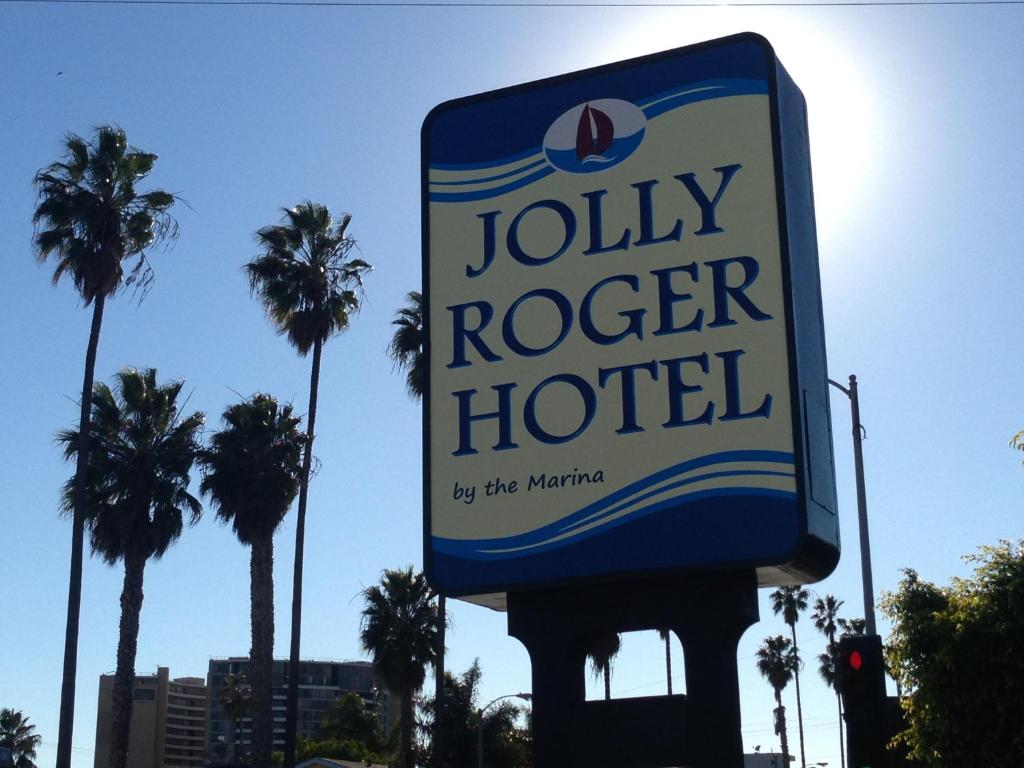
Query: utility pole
[862,505]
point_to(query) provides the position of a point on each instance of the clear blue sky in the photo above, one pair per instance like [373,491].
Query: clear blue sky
[915,118]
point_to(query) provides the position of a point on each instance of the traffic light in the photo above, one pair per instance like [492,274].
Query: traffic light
[862,685]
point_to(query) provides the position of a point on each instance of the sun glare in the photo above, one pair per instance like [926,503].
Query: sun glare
[840,113]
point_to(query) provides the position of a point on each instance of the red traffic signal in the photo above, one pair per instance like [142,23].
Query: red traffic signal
[855,660]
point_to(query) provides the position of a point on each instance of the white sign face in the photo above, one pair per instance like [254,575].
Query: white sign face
[610,387]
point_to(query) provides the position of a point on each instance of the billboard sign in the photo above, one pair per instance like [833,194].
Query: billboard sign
[626,354]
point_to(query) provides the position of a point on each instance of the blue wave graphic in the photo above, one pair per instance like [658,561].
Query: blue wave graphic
[560,533]
[652,107]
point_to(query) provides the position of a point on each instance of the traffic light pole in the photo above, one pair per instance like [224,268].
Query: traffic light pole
[862,504]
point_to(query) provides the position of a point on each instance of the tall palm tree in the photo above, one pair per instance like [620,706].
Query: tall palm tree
[406,349]
[399,631]
[791,602]
[140,457]
[602,653]
[251,474]
[18,735]
[777,661]
[824,617]
[666,637]
[309,288]
[98,228]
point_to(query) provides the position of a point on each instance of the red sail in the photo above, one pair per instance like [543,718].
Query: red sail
[594,134]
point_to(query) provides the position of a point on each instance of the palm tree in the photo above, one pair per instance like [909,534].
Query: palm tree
[791,602]
[602,653]
[251,474]
[852,626]
[399,631]
[236,700]
[93,222]
[666,636]
[309,288]
[824,618]
[140,457]
[777,661]
[18,735]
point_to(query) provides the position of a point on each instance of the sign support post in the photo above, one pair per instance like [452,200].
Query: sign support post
[700,729]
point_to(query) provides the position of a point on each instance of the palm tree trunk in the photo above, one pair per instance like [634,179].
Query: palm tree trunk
[799,707]
[608,681]
[292,706]
[127,645]
[67,693]
[442,615]
[782,728]
[406,730]
[668,660]
[261,669]
[842,745]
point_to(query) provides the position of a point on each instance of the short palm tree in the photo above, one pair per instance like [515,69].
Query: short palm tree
[140,457]
[309,288]
[602,653]
[236,700]
[98,228]
[19,736]
[251,475]
[791,602]
[399,631]
[824,617]
[777,662]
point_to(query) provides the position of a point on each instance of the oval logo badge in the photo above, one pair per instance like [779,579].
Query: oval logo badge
[594,136]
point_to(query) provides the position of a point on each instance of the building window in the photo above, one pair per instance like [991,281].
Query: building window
[145,694]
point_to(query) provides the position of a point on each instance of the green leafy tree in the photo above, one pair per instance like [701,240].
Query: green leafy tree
[91,220]
[956,651]
[791,602]
[349,719]
[310,289]
[251,475]
[777,661]
[824,616]
[457,716]
[399,631]
[140,457]
[19,736]
[602,653]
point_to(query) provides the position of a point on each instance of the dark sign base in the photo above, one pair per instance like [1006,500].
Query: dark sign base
[701,729]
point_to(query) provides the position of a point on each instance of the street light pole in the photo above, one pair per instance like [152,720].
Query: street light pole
[480,723]
[862,505]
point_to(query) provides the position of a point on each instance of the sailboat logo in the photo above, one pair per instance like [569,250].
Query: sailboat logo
[594,136]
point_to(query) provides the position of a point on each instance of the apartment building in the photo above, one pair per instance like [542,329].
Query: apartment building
[168,728]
